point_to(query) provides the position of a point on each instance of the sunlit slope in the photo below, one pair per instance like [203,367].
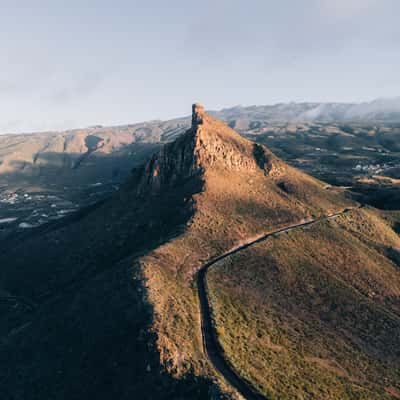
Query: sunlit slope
[315,313]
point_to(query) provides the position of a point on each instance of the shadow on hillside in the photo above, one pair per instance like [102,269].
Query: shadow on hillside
[382,197]
[56,169]
[394,255]
[93,344]
[89,337]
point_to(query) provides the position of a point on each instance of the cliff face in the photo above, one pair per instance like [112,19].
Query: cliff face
[218,146]
[174,164]
[208,146]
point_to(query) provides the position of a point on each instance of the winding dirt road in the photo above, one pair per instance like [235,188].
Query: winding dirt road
[211,345]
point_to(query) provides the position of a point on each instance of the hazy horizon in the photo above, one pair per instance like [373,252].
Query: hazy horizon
[71,66]
[186,114]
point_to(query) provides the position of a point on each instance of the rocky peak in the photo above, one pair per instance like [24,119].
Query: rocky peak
[217,146]
[209,145]
[198,113]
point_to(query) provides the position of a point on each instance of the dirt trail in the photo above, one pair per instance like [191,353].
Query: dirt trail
[211,345]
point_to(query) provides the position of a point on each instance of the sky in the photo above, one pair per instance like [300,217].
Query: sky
[76,63]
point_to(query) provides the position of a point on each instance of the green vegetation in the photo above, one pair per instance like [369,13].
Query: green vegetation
[314,314]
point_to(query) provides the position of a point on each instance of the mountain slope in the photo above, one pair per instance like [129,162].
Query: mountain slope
[117,312]
[246,191]
[81,156]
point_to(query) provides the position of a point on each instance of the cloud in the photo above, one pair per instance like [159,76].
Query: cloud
[344,9]
[8,87]
[78,89]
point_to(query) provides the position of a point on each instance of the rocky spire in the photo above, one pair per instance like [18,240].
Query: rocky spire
[208,145]
[197,114]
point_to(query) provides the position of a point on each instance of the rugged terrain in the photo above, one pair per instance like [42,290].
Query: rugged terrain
[45,176]
[106,304]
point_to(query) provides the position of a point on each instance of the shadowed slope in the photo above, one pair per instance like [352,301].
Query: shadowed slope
[88,336]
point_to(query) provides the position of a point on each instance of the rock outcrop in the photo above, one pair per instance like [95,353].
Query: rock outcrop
[208,145]
[198,113]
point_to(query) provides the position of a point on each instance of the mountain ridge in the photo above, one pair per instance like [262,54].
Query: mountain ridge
[378,111]
[116,290]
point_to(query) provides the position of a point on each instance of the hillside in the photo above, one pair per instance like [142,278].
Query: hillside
[45,176]
[81,156]
[314,314]
[107,304]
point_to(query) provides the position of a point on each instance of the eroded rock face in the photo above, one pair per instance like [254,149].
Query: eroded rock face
[172,165]
[218,146]
[207,145]
[198,113]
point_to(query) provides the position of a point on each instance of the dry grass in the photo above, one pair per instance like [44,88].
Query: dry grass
[314,314]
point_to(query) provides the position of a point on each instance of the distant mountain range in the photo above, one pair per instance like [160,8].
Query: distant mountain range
[379,110]
[37,156]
